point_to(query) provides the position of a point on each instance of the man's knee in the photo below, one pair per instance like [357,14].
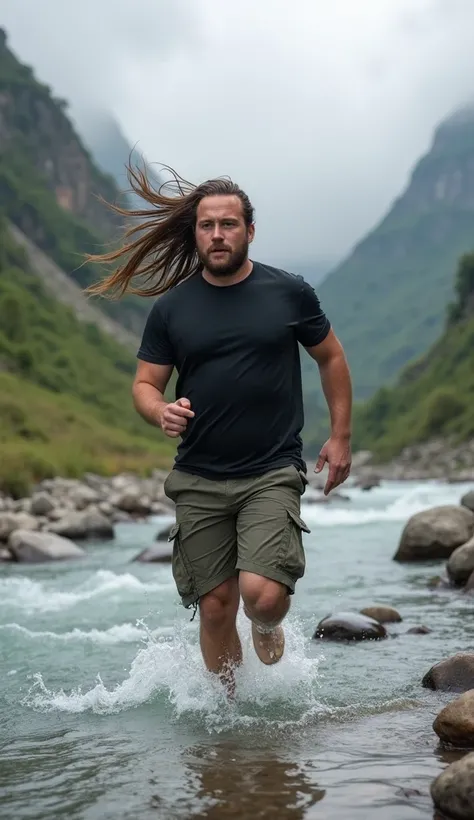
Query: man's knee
[264,598]
[219,607]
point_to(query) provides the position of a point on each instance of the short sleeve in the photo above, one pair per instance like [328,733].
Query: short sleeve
[155,345]
[312,324]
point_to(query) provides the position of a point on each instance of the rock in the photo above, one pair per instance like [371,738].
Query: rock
[58,513]
[35,547]
[419,630]
[5,555]
[434,534]
[42,504]
[455,723]
[468,500]
[165,533]
[349,626]
[461,563]
[453,790]
[83,496]
[383,614]
[157,508]
[133,501]
[159,555]
[439,582]
[455,674]
[79,525]
[106,508]
[15,521]
[119,517]
[469,588]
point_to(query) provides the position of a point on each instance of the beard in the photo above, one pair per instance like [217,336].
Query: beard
[227,264]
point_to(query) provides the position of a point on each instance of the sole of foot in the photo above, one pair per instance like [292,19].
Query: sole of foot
[269,646]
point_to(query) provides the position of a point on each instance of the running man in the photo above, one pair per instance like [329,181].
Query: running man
[231,327]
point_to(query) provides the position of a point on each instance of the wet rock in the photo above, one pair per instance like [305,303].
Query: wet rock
[80,525]
[434,534]
[96,524]
[158,555]
[383,614]
[419,630]
[349,626]
[42,504]
[455,674]
[455,723]
[35,547]
[461,563]
[165,533]
[439,582]
[468,500]
[16,521]
[453,790]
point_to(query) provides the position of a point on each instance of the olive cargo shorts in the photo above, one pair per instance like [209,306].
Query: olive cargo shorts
[224,526]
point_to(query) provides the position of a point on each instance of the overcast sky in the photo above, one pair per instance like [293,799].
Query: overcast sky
[318,108]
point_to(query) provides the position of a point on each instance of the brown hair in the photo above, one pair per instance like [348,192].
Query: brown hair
[164,252]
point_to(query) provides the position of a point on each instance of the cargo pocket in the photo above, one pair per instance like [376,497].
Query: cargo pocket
[181,574]
[293,559]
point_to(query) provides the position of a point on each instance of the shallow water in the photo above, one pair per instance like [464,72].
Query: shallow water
[107,711]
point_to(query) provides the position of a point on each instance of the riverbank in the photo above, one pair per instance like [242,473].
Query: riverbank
[437,459]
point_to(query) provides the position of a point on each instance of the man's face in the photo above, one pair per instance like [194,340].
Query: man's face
[222,237]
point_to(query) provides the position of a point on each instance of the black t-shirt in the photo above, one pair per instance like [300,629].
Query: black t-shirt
[235,348]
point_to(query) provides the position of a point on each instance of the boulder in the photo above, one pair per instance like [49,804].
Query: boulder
[132,501]
[106,508]
[455,674]
[383,614]
[349,626]
[5,555]
[80,525]
[455,723]
[158,555]
[96,524]
[42,504]
[469,588]
[120,517]
[434,534]
[461,563]
[419,630]
[468,500]
[15,521]
[35,547]
[453,790]
[83,496]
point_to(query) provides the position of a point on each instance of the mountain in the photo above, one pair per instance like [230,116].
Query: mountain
[387,299]
[50,188]
[433,396]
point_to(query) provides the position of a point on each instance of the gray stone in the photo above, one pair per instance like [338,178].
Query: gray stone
[453,790]
[36,547]
[83,496]
[461,563]
[454,674]
[468,500]
[15,521]
[349,626]
[133,501]
[469,588]
[455,723]
[80,525]
[382,613]
[158,555]
[5,555]
[419,630]
[434,534]
[42,504]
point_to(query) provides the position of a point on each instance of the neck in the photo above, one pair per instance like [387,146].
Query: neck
[224,281]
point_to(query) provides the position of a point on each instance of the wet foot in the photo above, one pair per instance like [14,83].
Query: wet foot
[269,646]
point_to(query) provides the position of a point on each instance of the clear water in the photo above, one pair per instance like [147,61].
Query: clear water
[107,711]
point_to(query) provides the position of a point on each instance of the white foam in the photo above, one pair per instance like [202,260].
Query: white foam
[174,668]
[33,596]
[120,633]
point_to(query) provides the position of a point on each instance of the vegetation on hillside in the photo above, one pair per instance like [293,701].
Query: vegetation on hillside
[434,395]
[65,388]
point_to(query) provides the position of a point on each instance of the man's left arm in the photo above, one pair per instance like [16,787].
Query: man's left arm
[337,387]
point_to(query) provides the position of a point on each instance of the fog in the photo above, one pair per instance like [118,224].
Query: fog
[318,109]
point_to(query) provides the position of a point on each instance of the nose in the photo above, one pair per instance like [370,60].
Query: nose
[217,232]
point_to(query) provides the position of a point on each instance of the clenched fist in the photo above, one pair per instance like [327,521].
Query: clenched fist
[174,417]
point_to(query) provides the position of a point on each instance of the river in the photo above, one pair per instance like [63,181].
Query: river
[108,713]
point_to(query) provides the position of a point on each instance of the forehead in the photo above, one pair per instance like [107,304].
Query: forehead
[220,207]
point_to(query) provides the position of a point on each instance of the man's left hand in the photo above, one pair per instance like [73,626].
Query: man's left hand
[337,453]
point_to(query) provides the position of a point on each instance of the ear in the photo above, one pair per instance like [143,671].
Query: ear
[251,232]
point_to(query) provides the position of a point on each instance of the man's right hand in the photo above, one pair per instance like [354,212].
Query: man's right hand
[174,417]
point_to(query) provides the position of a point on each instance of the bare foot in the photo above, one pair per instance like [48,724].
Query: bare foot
[269,646]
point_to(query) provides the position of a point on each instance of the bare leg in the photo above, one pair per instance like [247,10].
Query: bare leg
[220,642]
[266,603]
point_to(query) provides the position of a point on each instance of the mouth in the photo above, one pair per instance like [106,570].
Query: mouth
[219,250]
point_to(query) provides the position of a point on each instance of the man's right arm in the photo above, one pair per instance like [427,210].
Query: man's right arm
[148,396]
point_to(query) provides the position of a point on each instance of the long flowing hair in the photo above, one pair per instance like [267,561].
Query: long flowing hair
[158,250]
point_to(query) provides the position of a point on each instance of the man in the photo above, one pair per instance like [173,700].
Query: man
[231,327]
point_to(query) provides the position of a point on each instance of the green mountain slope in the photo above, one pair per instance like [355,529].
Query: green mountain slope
[387,300]
[434,396]
[50,187]
[65,400]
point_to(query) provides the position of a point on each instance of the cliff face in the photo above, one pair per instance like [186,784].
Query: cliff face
[387,300]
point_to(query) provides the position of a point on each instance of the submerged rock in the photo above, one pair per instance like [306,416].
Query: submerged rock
[35,547]
[157,555]
[461,563]
[419,630]
[455,674]
[383,614]
[434,534]
[455,723]
[453,790]
[349,626]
